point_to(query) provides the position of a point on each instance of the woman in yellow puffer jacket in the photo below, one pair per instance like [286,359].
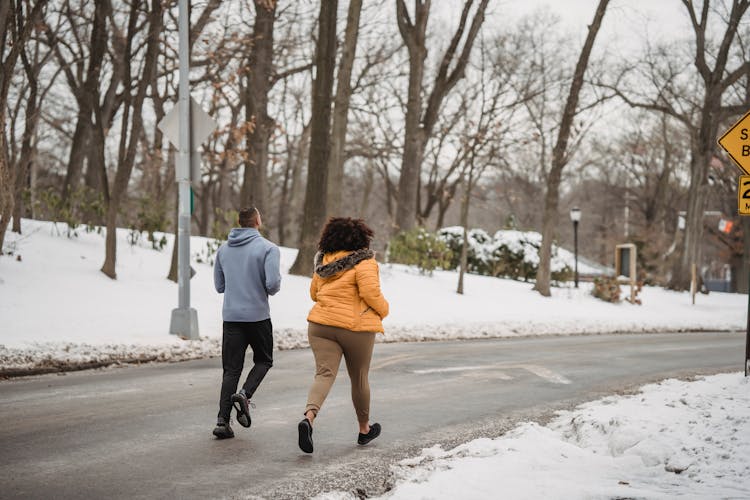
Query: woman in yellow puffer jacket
[344,320]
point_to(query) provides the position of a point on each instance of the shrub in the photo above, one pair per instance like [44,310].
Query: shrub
[510,253]
[479,258]
[607,289]
[207,255]
[150,218]
[83,207]
[420,248]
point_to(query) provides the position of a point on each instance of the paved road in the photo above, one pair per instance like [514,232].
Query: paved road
[145,432]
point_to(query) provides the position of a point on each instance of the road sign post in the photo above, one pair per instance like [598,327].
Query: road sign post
[736,142]
[184,321]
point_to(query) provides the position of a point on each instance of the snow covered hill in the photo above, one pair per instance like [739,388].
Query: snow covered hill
[57,308]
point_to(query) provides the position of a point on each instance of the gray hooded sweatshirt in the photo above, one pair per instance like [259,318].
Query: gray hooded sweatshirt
[247,272]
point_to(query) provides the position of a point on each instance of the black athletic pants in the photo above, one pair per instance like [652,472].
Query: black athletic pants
[237,336]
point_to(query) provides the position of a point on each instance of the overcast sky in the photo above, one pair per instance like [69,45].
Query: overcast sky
[626,22]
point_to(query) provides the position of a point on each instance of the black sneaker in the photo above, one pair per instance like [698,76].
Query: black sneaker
[242,405]
[363,439]
[305,436]
[223,430]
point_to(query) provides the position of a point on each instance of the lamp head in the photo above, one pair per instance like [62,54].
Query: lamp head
[575,214]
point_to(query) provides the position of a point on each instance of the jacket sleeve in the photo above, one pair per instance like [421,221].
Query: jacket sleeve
[219,282]
[314,285]
[273,274]
[368,282]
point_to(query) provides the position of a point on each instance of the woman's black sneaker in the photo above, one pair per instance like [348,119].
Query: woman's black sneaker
[240,403]
[305,436]
[223,430]
[366,438]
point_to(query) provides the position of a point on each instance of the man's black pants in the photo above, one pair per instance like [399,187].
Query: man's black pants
[237,336]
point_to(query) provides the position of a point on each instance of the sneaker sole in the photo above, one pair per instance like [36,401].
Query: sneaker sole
[305,436]
[243,414]
[220,435]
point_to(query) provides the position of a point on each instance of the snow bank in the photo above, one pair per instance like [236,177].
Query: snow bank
[56,308]
[675,438]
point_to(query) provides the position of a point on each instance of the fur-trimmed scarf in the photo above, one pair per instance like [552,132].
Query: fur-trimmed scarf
[342,264]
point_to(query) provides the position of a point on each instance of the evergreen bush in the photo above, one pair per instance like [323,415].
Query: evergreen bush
[418,247]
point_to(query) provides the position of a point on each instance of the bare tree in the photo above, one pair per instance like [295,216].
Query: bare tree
[17,20]
[560,155]
[32,63]
[260,72]
[133,104]
[486,134]
[420,122]
[700,111]
[317,171]
[86,88]
[341,109]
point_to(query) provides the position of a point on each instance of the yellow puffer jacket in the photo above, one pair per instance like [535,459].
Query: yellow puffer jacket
[346,291]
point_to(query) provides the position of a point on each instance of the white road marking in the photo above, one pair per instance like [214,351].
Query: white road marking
[537,370]
[454,369]
[546,374]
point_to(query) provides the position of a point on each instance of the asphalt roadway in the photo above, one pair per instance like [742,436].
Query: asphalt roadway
[145,431]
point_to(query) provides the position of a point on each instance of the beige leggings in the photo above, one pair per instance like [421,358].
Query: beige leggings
[328,343]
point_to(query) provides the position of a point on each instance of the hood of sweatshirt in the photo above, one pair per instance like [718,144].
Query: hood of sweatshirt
[242,236]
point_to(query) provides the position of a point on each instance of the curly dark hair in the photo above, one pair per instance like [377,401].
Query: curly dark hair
[344,233]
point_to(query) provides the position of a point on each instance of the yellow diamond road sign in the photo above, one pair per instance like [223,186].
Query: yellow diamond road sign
[736,142]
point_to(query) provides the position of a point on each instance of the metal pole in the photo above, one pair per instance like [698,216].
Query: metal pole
[575,247]
[747,333]
[184,319]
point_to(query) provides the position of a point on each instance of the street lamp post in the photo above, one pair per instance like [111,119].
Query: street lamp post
[575,216]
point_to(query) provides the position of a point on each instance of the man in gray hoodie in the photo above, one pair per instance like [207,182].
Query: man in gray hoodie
[246,272]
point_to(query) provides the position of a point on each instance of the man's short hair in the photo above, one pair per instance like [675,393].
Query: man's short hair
[248,217]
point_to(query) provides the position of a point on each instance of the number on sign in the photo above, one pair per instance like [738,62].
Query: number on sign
[743,195]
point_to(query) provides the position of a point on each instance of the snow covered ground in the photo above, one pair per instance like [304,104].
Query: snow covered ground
[674,439]
[58,309]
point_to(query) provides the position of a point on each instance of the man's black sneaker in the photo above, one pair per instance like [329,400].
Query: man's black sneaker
[240,403]
[305,436]
[223,430]
[366,438]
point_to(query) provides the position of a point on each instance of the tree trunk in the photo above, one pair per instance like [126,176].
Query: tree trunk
[7,181]
[414,37]
[560,156]
[317,170]
[341,110]
[419,125]
[254,187]
[465,223]
[13,39]
[295,207]
[87,97]
[27,152]
[700,161]
[126,162]
[367,192]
